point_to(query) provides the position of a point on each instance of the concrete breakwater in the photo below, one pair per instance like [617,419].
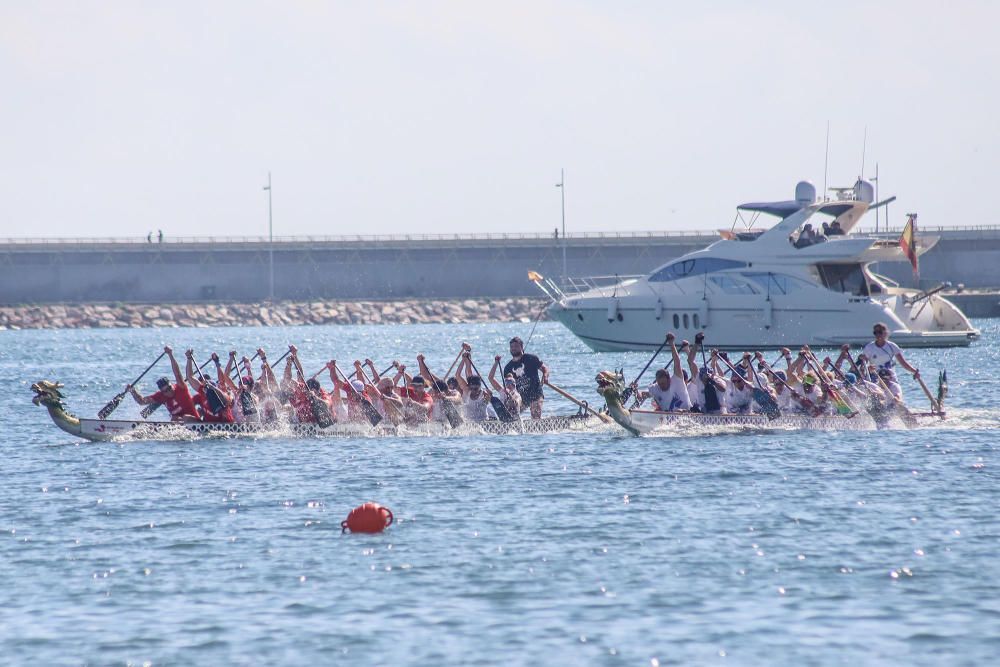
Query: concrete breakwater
[285,313]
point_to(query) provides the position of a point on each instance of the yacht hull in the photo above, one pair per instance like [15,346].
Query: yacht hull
[740,329]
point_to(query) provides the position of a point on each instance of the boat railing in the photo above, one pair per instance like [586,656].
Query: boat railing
[617,284]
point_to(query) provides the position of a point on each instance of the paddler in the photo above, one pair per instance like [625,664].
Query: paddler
[884,354]
[245,405]
[738,395]
[526,368]
[669,389]
[475,398]
[442,391]
[214,402]
[175,396]
[417,403]
[506,392]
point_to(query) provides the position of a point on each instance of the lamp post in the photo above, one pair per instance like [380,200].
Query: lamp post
[562,194]
[270,239]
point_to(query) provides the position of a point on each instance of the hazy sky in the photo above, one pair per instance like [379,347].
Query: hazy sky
[456,116]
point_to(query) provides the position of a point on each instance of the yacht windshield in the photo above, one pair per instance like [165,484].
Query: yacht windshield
[847,278]
[694,267]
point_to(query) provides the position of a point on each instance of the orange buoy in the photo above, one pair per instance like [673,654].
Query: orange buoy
[367,518]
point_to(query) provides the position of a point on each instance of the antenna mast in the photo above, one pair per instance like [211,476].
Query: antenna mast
[864,146]
[826,159]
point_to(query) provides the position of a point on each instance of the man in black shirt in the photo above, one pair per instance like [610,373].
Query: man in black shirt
[525,368]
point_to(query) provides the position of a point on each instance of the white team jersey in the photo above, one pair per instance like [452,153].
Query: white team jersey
[882,357]
[738,401]
[478,409]
[784,399]
[696,393]
[674,398]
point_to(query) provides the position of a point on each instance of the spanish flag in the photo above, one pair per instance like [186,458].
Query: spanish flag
[908,242]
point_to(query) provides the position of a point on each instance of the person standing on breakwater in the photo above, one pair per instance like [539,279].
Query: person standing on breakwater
[525,369]
[175,396]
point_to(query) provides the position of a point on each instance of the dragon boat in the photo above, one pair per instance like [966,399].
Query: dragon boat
[48,395]
[611,385]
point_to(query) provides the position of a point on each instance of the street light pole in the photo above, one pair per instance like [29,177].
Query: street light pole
[562,194]
[270,239]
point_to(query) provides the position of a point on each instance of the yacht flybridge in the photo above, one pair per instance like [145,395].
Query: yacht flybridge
[768,289]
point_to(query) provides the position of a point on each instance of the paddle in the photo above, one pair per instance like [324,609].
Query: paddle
[635,383]
[927,392]
[805,402]
[838,400]
[904,412]
[236,364]
[366,406]
[767,403]
[582,404]
[392,411]
[452,367]
[387,369]
[113,404]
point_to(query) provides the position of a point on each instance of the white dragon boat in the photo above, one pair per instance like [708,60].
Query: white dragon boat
[610,385]
[47,394]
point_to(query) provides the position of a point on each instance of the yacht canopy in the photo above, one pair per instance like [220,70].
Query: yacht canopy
[783,209]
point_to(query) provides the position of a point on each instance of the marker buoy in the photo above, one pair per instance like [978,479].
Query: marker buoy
[367,518]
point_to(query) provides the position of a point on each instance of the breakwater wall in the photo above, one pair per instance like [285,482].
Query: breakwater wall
[119,316]
[238,270]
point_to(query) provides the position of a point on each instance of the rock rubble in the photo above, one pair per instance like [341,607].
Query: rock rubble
[287,313]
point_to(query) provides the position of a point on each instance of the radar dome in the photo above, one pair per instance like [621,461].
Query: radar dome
[805,192]
[864,191]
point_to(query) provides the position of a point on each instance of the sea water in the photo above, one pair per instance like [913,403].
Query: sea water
[692,547]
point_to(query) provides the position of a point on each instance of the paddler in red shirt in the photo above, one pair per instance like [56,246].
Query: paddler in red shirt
[298,394]
[215,403]
[175,397]
[417,403]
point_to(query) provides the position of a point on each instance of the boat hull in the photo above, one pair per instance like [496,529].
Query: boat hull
[98,430]
[645,421]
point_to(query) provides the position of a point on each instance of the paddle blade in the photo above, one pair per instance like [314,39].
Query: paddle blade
[767,404]
[369,411]
[112,405]
[503,414]
[451,413]
[535,277]
[149,409]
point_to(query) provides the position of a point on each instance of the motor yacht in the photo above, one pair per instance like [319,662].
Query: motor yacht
[768,288]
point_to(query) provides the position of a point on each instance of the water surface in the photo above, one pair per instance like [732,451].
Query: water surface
[693,547]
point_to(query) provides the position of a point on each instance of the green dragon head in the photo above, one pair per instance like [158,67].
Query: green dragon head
[47,394]
[611,385]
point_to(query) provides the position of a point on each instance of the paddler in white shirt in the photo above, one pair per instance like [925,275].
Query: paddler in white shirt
[669,391]
[884,354]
